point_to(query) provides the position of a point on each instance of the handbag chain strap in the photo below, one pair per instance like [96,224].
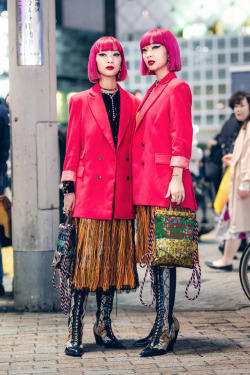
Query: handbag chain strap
[65,287]
[148,264]
[196,269]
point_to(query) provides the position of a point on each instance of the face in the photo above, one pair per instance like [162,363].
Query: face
[155,56]
[242,110]
[108,63]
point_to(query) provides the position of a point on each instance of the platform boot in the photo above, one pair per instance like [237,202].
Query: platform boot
[74,345]
[102,329]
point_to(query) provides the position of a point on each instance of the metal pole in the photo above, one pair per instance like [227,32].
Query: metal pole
[35,156]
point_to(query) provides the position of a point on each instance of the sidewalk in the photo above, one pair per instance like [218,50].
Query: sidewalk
[213,339]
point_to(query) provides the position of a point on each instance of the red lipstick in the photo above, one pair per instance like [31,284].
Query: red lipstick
[109,67]
[151,62]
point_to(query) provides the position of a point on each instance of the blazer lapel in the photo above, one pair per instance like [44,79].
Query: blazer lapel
[125,111]
[150,99]
[99,112]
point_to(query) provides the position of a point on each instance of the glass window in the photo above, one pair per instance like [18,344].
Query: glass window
[221,73]
[197,90]
[209,90]
[196,45]
[150,79]
[221,59]
[221,104]
[222,89]
[222,118]
[126,51]
[209,44]
[209,59]
[183,46]
[234,42]
[246,57]
[209,74]
[210,119]
[221,43]
[209,104]
[197,120]
[197,75]
[246,41]
[137,64]
[197,105]
[128,64]
[184,76]
[196,60]
[234,58]
[184,61]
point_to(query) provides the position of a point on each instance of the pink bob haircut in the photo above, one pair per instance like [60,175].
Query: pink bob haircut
[106,43]
[168,40]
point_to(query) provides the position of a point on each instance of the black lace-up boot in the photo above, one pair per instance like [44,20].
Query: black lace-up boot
[102,328]
[77,311]
[164,335]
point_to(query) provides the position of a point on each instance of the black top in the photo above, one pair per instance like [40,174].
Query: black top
[112,104]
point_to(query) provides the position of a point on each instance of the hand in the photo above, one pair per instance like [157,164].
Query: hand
[227,159]
[176,190]
[244,194]
[69,202]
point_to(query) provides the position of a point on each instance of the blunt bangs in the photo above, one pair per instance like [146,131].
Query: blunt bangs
[168,40]
[106,43]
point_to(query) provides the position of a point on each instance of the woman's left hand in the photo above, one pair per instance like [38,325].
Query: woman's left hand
[244,194]
[176,190]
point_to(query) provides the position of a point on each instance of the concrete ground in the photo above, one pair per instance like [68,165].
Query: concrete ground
[214,333]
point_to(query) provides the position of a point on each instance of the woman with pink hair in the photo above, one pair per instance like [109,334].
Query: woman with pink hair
[161,152]
[98,190]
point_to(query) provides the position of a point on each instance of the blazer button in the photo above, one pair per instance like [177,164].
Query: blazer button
[142,163]
[99,177]
[128,178]
[100,158]
[143,144]
[127,159]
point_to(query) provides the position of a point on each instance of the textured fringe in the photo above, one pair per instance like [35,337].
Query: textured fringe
[104,255]
[144,215]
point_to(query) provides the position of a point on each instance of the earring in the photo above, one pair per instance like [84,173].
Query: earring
[149,70]
[119,73]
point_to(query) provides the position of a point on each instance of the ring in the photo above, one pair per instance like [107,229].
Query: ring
[65,209]
[174,197]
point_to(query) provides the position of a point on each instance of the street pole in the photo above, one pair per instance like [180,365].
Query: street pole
[35,155]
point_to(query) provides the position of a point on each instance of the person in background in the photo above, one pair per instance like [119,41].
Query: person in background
[97,188]
[234,221]
[4,155]
[161,152]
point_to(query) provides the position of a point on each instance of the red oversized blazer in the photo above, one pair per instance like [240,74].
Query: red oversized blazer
[163,140]
[102,175]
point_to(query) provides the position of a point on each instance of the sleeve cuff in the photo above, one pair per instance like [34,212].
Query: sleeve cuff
[179,161]
[68,176]
[244,186]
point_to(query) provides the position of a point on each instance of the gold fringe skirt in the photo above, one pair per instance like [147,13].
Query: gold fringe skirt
[104,255]
[144,215]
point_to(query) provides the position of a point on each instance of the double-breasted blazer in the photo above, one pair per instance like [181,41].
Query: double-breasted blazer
[163,140]
[239,209]
[102,175]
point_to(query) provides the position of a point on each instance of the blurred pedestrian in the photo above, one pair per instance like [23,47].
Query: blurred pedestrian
[97,188]
[161,152]
[234,221]
[4,155]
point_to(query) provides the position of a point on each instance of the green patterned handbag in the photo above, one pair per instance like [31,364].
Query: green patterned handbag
[176,245]
[174,239]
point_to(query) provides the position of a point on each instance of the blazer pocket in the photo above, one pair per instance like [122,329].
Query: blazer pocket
[162,159]
[80,170]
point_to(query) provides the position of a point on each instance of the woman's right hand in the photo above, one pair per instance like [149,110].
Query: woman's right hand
[69,203]
[227,159]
